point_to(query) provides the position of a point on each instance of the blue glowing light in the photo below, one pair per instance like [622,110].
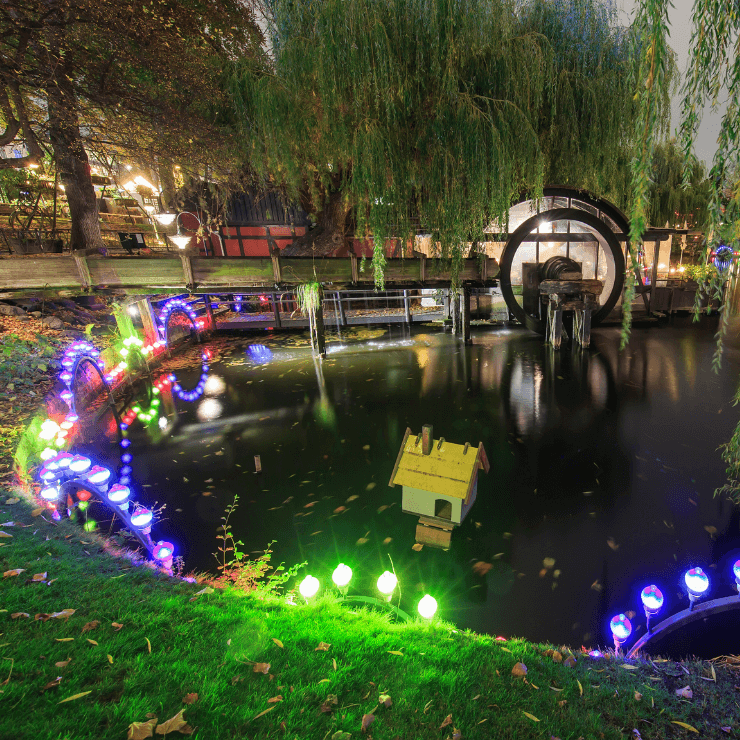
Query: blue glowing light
[163,550]
[723,257]
[621,627]
[119,495]
[127,457]
[259,354]
[652,599]
[195,393]
[125,442]
[50,493]
[142,517]
[736,570]
[80,464]
[696,581]
[99,476]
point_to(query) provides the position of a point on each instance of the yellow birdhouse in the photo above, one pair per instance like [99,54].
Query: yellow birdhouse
[440,483]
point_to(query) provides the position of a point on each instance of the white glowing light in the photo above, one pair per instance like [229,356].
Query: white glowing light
[387,582]
[165,218]
[652,599]
[215,385]
[309,586]
[209,409]
[50,493]
[181,241]
[427,607]
[342,575]
[621,627]
[696,581]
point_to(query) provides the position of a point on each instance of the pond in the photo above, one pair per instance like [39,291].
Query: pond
[603,466]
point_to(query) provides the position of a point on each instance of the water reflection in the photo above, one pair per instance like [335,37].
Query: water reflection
[602,468]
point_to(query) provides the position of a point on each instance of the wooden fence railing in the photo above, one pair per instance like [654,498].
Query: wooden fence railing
[162,273]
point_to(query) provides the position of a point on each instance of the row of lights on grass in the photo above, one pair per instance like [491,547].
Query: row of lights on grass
[66,467]
[386,584]
[697,585]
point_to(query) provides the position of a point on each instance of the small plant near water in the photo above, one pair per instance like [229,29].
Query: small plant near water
[238,571]
[309,297]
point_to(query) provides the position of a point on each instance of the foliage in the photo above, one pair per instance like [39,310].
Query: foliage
[651,79]
[670,200]
[434,114]
[238,571]
[308,296]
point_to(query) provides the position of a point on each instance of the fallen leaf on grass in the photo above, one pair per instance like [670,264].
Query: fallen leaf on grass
[456,734]
[395,652]
[75,696]
[447,721]
[39,577]
[5,534]
[685,693]
[141,730]
[110,659]
[388,540]
[64,639]
[638,696]
[519,670]
[685,726]
[340,509]
[64,614]
[42,617]
[334,663]
[569,662]
[261,668]
[257,716]
[323,646]
[53,684]
[148,644]
[612,543]
[92,642]
[14,572]
[118,627]
[175,724]
[353,497]
[12,501]
[417,547]
[277,642]
[90,626]
[274,699]
[530,716]
[580,688]
[385,700]
[367,720]
[190,698]
[18,615]
[63,663]
[38,512]
[629,667]
[557,656]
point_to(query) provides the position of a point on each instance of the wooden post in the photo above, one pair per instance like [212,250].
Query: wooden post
[148,321]
[277,272]
[355,269]
[445,304]
[554,321]
[275,310]
[187,271]
[465,298]
[257,464]
[455,304]
[342,316]
[407,306]
[83,270]
[320,334]
[654,277]
[422,268]
[209,312]
[584,336]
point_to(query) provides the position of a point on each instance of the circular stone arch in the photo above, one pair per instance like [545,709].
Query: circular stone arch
[612,249]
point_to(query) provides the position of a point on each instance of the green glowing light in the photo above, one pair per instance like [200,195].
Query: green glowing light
[387,582]
[90,525]
[309,586]
[83,505]
[342,575]
[427,607]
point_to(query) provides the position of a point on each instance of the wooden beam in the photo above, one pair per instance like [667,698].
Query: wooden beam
[83,270]
[550,287]
[276,269]
[398,459]
[187,271]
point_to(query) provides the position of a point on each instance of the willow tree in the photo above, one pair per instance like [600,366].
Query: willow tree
[384,117]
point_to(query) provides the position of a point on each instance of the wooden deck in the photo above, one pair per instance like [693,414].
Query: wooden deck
[81,273]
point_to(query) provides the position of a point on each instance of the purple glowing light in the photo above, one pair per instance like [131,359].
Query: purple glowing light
[142,517]
[119,495]
[99,476]
[50,493]
[80,464]
[63,460]
[163,550]
[736,570]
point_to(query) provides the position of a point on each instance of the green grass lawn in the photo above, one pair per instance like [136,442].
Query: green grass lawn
[208,655]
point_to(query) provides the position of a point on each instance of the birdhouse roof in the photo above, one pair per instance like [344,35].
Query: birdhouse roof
[449,469]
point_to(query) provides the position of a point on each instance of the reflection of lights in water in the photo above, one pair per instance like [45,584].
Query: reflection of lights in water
[163,422]
[526,391]
[422,357]
[259,353]
[215,386]
[209,409]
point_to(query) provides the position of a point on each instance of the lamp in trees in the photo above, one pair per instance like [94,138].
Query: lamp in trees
[180,240]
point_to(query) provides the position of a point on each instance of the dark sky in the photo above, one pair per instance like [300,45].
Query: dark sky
[680,27]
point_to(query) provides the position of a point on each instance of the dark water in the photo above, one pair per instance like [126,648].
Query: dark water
[603,462]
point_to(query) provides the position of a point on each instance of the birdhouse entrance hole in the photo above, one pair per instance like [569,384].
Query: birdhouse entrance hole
[443,509]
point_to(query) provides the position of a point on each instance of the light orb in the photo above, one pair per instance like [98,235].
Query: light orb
[342,575]
[621,627]
[309,586]
[652,599]
[696,581]
[387,582]
[427,607]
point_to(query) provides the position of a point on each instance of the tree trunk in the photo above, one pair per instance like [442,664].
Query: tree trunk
[167,185]
[335,225]
[72,165]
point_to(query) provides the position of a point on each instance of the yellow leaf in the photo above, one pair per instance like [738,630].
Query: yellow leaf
[148,644]
[395,652]
[324,680]
[580,688]
[530,716]
[629,667]
[257,716]
[92,642]
[334,663]
[37,512]
[685,726]
[175,724]
[64,639]
[141,730]
[110,659]
[76,696]
[277,642]
[507,650]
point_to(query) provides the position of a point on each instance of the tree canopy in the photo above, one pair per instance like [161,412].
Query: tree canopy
[389,116]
